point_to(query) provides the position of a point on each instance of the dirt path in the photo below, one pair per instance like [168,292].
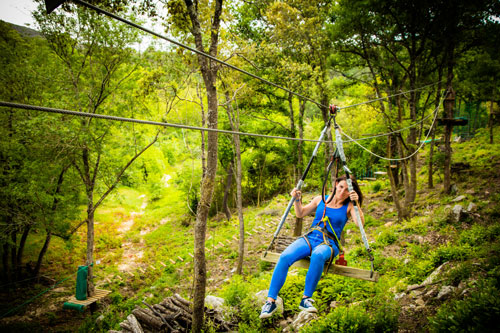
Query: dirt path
[132,252]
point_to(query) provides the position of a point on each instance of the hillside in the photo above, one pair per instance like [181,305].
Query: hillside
[439,270]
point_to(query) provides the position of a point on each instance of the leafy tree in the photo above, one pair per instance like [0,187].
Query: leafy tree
[35,195]
[94,52]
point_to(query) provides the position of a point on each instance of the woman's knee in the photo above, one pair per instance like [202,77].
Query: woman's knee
[322,253]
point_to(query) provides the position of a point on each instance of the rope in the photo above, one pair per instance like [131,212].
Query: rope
[387,97]
[146,122]
[415,152]
[393,132]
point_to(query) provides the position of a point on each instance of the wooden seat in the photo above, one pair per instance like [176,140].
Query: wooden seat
[352,272]
[99,294]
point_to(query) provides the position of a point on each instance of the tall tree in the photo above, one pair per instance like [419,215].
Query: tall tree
[93,51]
[205,21]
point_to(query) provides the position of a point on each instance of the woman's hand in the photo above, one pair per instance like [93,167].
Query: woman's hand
[297,194]
[353,196]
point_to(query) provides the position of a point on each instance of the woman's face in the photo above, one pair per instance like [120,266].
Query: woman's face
[341,192]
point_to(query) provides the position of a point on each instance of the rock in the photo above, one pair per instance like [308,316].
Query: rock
[453,189]
[472,207]
[262,297]
[334,304]
[399,296]
[99,319]
[432,277]
[420,302]
[445,291]
[406,261]
[303,318]
[431,293]
[457,212]
[417,292]
[283,323]
[214,302]
[388,224]
[459,198]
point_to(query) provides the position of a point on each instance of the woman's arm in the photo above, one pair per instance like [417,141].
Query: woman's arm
[300,210]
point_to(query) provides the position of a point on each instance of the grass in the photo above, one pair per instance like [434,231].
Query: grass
[405,254]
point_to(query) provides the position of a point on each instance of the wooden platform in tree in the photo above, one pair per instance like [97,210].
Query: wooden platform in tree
[99,293]
[352,272]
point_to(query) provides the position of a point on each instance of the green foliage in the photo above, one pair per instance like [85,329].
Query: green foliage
[479,235]
[478,312]
[376,186]
[446,253]
[387,237]
[356,319]
[236,291]
[460,273]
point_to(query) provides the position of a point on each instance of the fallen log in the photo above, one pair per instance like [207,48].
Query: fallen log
[148,319]
[134,324]
[126,326]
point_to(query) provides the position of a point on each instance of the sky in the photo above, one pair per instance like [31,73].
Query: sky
[17,11]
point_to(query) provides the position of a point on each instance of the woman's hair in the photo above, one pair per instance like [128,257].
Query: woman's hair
[355,186]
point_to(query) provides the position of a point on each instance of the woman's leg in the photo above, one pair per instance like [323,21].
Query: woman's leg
[319,256]
[295,251]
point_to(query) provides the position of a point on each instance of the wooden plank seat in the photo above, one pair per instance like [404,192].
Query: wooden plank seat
[99,294]
[283,241]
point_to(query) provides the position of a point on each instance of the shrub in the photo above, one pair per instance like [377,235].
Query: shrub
[477,235]
[459,273]
[387,237]
[449,252]
[477,313]
[355,319]
[236,291]
[376,187]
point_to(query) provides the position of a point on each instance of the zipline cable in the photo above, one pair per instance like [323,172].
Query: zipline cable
[412,154]
[146,122]
[173,41]
[387,97]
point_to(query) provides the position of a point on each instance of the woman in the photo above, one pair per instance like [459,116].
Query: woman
[321,243]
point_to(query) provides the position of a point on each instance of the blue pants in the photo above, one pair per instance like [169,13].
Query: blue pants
[299,250]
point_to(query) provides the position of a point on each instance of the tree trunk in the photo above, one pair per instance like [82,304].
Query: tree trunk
[394,190]
[234,121]
[261,171]
[229,181]
[208,70]
[448,109]
[5,261]
[13,253]
[45,246]
[297,231]
[20,251]
[90,246]
[448,106]
[491,122]
[239,204]
[430,180]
